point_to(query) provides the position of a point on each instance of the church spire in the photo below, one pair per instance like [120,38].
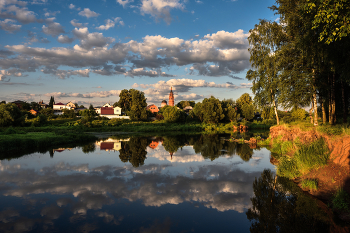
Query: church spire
[171,97]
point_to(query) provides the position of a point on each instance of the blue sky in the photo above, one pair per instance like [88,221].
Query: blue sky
[88,51]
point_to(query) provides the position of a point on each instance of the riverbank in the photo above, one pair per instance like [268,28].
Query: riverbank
[317,159]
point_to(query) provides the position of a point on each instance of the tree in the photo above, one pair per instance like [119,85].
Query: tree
[10,115]
[209,111]
[51,102]
[134,151]
[330,18]
[47,111]
[89,114]
[248,111]
[244,99]
[125,98]
[184,103]
[138,105]
[171,113]
[265,40]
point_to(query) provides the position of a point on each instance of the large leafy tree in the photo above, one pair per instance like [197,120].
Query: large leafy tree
[330,18]
[209,111]
[10,115]
[134,151]
[171,113]
[265,40]
[138,105]
[124,102]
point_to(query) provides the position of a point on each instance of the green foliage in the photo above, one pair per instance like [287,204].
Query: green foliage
[69,113]
[248,111]
[138,105]
[184,103]
[306,157]
[134,151]
[52,102]
[311,184]
[209,111]
[330,18]
[341,200]
[171,114]
[47,111]
[299,114]
[39,120]
[10,114]
[244,99]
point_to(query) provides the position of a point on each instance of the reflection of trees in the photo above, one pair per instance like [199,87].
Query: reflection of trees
[244,151]
[88,148]
[280,206]
[172,144]
[212,147]
[134,151]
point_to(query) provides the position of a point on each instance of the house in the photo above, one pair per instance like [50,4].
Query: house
[42,104]
[33,112]
[153,108]
[187,109]
[110,112]
[60,106]
[71,105]
[18,103]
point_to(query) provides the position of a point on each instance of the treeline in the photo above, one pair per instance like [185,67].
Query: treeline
[303,60]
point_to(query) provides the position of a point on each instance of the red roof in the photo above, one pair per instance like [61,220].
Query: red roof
[106,145]
[107,111]
[59,103]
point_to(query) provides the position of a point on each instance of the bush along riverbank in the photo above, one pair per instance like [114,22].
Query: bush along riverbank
[14,140]
[317,159]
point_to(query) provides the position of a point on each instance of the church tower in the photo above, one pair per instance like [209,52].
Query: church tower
[171,97]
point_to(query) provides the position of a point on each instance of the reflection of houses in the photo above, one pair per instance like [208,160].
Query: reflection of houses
[61,149]
[111,144]
[154,144]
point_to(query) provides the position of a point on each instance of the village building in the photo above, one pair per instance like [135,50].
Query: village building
[164,103]
[153,108]
[60,106]
[42,104]
[71,105]
[171,98]
[110,112]
[33,112]
[154,144]
[18,103]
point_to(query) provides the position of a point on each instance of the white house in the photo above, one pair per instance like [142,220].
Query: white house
[60,106]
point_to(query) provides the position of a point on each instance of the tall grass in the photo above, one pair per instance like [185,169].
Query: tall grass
[341,200]
[306,157]
[311,184]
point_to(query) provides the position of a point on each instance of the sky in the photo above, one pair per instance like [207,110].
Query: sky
[88,51]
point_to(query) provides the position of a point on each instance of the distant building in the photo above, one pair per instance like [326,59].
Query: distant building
[71,105]
[154,144]
[171,97]
[42,104]
[18,103]
[153,108]
[33,112]
[164,103]
[60,106]
[109,111]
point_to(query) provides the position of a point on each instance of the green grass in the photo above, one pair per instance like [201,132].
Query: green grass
[341,200]
[311,184]
[305,158]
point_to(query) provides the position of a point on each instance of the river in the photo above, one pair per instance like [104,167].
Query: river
[200,183]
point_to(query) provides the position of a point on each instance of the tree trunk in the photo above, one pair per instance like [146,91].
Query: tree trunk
[315,109]
[310,112]
[324,117]
[345,110]
[333,99]
[275,108]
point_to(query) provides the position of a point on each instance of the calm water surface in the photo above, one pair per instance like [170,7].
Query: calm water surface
[139,184]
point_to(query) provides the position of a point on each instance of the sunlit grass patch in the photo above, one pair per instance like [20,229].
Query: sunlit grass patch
[311,184]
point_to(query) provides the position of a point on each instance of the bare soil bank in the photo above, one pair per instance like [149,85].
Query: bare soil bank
[333,176]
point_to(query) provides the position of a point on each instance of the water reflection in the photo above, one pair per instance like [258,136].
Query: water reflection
[280,206]
[197,183]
